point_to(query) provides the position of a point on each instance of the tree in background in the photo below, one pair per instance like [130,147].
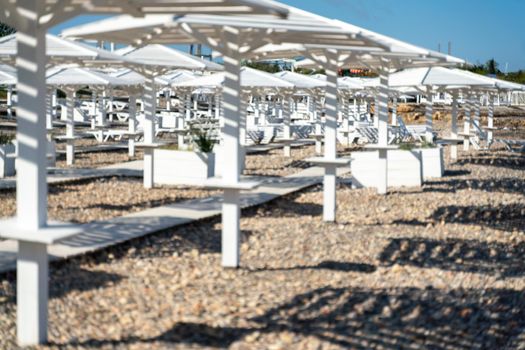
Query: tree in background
[265,67]
[491,68]
[6,30]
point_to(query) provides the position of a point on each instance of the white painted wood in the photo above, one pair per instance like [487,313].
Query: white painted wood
[467,121]
[7,160]
[429,136]
[32,293]
[10,101]
[31,178]
[132,124]
[381,115]
[70,126]
[287,113]
[432,162]
[490,121]
[182,167]
[330,136]
[231,167]
[394,111]
[49,108]
[150,108]
[454,126]
[404,169]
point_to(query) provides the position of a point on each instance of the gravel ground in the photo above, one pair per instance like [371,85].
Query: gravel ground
[98,159]
[104,198]
[274,163]
[438,267]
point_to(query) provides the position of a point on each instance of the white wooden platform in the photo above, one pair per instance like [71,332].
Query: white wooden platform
[101,234]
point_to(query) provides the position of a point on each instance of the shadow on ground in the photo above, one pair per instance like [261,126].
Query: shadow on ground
[502,260]
[509,161]
[357,318]
[503,185]
[325,265]
[508,217]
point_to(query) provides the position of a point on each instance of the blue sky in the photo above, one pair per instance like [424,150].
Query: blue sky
[478,29]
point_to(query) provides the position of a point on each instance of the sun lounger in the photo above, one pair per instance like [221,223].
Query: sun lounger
[512,145]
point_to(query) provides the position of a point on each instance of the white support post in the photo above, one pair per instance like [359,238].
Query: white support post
[210,106]
[318,126]
[10,101]
[49,111]
[243,123]
[132,124]
[382,117]
[257,111]
[31,193]
[376,107]
[188,106]
[167,94]
[231,210]
[32,293]
[454,127]
[477,115]
[287,106]
[94,109]
[150,108]
[217,106]
[466,122]
[54,104]
[330,138]
[490,121]
[394,111]
[346,120]
[70,126]
[102,108]
[111,108]
[429,135]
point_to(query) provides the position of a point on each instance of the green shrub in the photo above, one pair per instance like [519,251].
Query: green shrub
[406,146]
[203,141]
[5,138]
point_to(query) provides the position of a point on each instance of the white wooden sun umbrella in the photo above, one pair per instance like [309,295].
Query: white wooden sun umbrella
[156,60]
[237,38]
[395,55]
[70,79]
[32,18]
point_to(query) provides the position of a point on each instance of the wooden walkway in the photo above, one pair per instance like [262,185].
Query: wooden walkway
[102,234]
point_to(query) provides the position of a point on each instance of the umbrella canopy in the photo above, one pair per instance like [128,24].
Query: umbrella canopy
[347,83]
[82,76]
[301,81]
[250,78]
[164,56]
[300,26]
[54,12]
[129,75]
[62,51]
[437,76]
[178,76]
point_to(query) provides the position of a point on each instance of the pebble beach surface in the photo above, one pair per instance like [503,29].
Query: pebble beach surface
[437,267]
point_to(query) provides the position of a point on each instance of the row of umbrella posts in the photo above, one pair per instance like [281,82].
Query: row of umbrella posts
[327,43]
